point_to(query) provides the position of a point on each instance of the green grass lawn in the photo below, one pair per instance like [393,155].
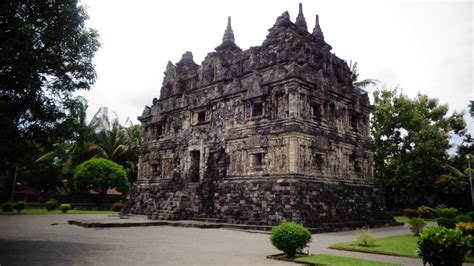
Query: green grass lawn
[29,211]
[322,259]
[404,219]
[400,245]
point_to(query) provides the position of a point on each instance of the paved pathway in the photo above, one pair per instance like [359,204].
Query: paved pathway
[49,240]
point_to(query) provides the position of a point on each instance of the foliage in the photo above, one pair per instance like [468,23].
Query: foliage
[440,246]
[463,218]
[19,205]
[290,237]
[117,206]
[471,215]
[99,175]
[447,222]
[467,228]
[116,142]
[425,211]
[324,259]
[361,84]
[443,211]
[7,207]
[65,207]
[410,213]
[46,53]
[364,237]
[417,225]
[398,245]
[51,204]
[411,137]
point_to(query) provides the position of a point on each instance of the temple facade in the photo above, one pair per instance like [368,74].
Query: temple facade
[273,132]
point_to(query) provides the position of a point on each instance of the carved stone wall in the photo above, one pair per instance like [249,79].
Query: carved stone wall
[255,136]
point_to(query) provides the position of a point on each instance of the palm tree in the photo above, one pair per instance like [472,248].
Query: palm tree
[116,142]
[360,84]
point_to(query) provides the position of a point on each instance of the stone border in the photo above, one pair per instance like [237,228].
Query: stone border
[193,224]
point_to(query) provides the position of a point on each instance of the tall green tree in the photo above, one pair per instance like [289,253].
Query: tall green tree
[46,54]
[411,138]
[115,141]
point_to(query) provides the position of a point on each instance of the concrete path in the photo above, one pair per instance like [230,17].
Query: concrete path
[49,240]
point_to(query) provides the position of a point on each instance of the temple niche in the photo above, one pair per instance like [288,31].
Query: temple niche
[256,136]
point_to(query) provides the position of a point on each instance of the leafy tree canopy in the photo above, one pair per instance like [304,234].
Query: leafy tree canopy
[411,138]
[100,174]
[46,54]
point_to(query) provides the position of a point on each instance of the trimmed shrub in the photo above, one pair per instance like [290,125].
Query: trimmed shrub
[447,222]
[65,207]
[51,204]
[7,207]
[117,206]
[416,225]
[19,205]
[443,211]
[440,246]
[425,211]
[467,229]
[364,237]
[410,213]
[290,237]
[471,215]
[463,218]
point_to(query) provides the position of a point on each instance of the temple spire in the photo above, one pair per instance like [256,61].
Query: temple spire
[228,40]
[317,32]
[229,33]
[300,20]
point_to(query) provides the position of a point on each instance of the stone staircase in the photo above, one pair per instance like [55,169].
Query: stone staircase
[176,205]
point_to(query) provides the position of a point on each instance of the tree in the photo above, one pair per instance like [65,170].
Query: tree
[115,141]
[99,174]
[46,54]
[360,84]
[411,137]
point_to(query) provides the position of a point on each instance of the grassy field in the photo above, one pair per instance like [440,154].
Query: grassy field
[322,259]
[43,211]
[400,245]
[404,219]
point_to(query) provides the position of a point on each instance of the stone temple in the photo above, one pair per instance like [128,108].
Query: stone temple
[273,132]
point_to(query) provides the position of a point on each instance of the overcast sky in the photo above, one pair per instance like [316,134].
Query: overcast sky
[423,47]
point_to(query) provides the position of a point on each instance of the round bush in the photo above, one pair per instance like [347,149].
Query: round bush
[447,222]
[290,237]
[440,246]
[51,204]
[19,205]
[7,207]
[417,225]
[65,207]
[411,213]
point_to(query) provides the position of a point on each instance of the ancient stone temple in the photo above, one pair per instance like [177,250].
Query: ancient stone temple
[273,132]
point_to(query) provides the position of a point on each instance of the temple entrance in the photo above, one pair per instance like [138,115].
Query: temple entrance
[195,162]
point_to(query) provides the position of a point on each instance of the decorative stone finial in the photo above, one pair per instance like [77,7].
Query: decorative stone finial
[228,40]
[317,32]
[186,59]
[300,20]
[229,33]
